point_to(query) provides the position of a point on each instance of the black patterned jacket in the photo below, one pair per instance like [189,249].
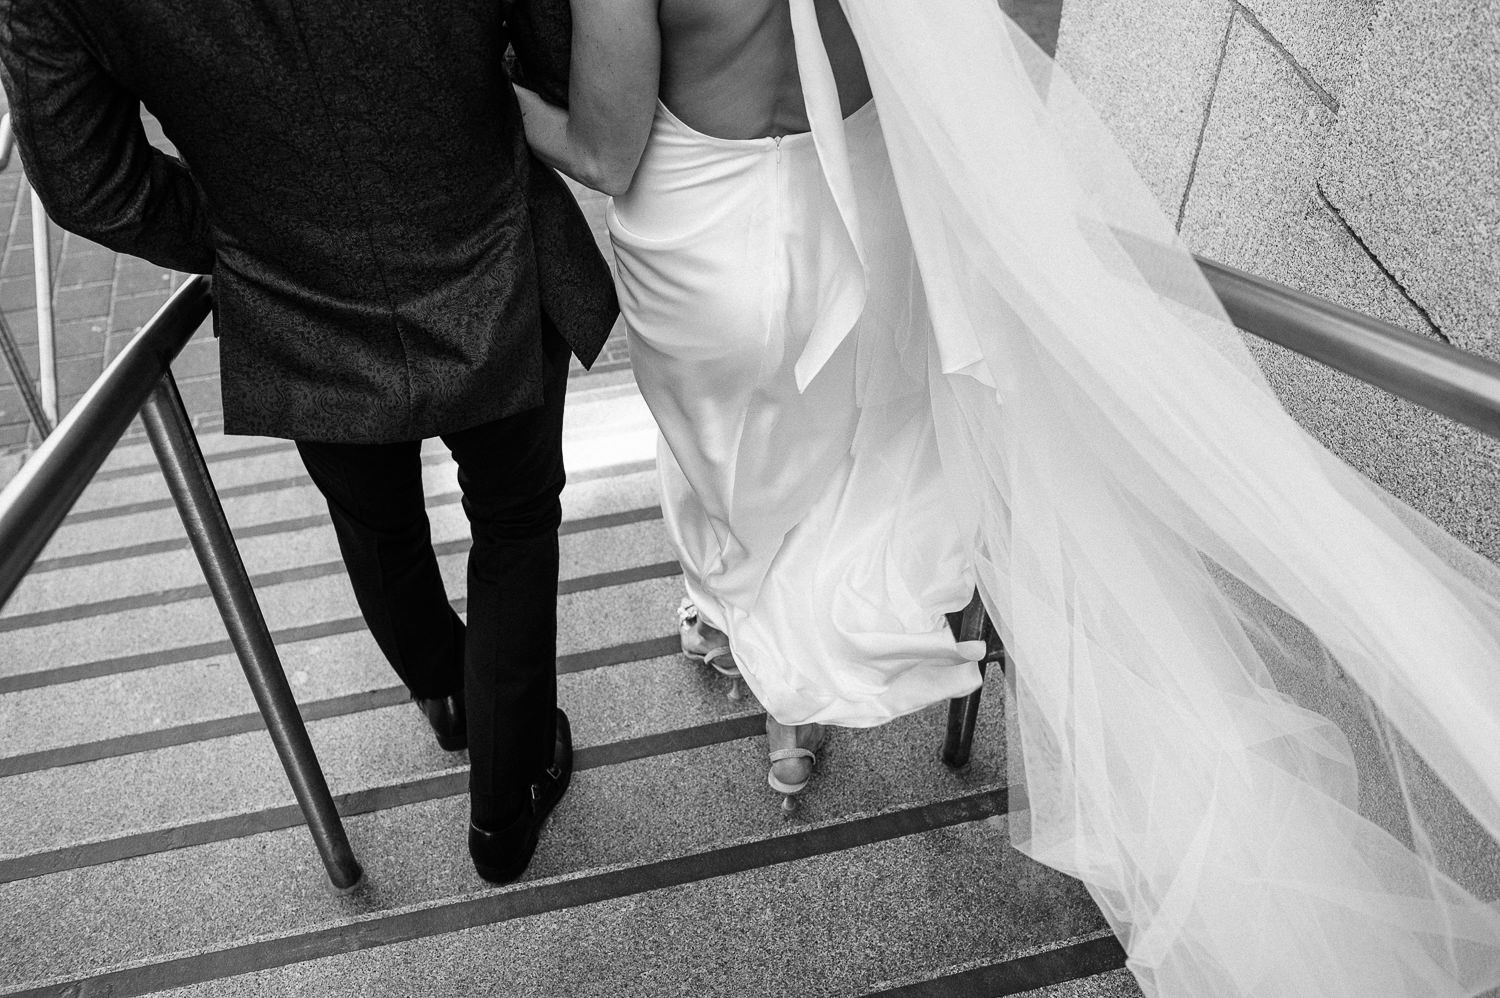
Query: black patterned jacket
[383,244]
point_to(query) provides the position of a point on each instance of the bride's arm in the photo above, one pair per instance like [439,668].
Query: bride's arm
[616,65]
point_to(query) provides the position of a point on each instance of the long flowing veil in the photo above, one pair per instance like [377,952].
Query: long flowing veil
[1254,702]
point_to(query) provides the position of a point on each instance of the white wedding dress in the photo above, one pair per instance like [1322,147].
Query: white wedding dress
[811,520]
[1254,702]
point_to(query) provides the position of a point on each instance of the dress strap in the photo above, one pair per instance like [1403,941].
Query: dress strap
[842,298]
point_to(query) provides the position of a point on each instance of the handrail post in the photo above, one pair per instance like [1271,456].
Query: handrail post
[43,414]
[22,378]
[46,331]
[182,462]
[963,712]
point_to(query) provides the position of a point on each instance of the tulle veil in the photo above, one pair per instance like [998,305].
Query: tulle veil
[1254,701]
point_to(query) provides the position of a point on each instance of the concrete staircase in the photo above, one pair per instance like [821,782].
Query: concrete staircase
[149,841]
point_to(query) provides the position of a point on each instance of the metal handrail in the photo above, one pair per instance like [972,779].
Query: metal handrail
[22,378]
[36,501]
[1455,383]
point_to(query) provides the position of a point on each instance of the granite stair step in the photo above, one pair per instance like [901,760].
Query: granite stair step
[611,526]
[236,463]
[90,544]
[60,808]
[1087,966]
[133,455]
[603,438]
[644,792]
[335,658]
[160,578]
[905,887]
[626,607]
[53,807]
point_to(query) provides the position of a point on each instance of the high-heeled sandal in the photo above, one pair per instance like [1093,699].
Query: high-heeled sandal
[696,645]
[795,752]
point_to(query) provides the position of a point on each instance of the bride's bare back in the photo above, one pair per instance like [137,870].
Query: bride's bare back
[728,67]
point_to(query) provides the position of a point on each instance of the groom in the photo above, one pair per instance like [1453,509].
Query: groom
[390,264]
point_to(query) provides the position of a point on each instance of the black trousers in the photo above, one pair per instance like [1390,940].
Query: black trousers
[510,472]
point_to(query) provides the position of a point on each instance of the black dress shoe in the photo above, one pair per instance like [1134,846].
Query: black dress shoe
[502,856]
[446,715]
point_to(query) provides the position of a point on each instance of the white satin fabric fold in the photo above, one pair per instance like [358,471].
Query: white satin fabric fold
[1255,702]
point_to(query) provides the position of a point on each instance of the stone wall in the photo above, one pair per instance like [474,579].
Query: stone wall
[1350,148]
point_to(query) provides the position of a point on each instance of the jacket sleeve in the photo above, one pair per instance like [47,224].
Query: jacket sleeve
[80,137]
[541,35]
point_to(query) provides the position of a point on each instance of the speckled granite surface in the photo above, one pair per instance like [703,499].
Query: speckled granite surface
[1150,72]
[1412,163]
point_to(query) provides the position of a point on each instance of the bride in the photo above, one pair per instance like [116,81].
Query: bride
[910,325]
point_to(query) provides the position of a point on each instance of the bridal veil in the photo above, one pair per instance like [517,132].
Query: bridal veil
[1254,702]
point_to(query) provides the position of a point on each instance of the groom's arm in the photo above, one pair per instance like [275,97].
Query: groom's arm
[86,155]
[612,88]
